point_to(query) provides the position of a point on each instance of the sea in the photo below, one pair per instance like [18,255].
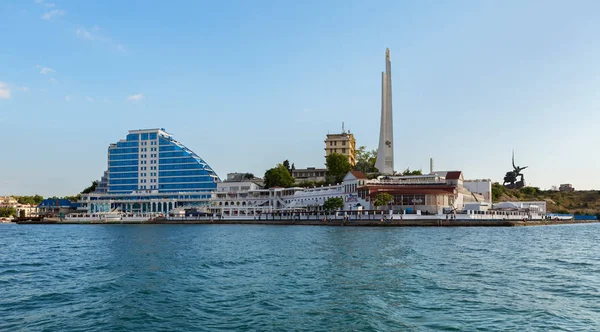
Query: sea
[298,278]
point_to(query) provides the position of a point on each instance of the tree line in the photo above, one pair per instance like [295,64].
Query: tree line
[337,166]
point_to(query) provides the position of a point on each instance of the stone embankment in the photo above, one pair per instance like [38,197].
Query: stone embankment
[377,223]
[337,222]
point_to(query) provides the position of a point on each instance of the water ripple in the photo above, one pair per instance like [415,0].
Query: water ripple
[261,278]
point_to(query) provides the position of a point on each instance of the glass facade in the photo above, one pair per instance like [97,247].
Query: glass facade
[151,172]
[153,161]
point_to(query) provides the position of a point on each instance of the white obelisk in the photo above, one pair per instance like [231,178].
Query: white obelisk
[385,152]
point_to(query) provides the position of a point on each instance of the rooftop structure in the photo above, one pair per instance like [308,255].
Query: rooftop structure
[239,176]
[309,174]
[566,187]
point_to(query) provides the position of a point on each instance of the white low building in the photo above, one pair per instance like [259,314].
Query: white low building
[22,210]
[535,206]
[431,194]
[246,198]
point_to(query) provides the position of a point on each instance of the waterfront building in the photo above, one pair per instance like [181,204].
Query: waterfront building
[23,210]
[26,210]
[431,193]
[342,143]
[533,206]
[56,206]
[309,174]
[248,199]
[385,151]
[149,171]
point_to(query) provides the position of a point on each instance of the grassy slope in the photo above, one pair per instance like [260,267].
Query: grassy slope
[580,202]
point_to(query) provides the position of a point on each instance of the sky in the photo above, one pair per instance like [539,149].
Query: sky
[248,84]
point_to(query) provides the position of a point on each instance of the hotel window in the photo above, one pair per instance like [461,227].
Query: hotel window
[344,150]
[334,150]
[335,143]
[344,143]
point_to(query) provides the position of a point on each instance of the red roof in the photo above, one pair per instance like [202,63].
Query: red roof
[454,175]
[359,175]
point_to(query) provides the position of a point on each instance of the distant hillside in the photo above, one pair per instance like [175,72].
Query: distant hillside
[576,202]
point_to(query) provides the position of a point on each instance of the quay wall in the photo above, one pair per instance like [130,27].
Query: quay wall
[338,222]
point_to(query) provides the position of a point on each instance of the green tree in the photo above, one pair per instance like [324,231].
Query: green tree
[6,212]
[91,188]
[365,160]
[286,164]
[532,191]
[38,199]
[497,191]
[248,176]
[306,184]
[333,204]
[32,200]
[278,176]
[337,167]
[407,171]
[309,184]
[383,199]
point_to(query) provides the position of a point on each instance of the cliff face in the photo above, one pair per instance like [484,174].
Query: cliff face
[575,202]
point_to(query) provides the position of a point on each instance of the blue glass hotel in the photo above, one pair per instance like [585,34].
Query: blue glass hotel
[151,172]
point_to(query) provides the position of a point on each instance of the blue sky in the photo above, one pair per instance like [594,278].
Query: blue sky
[247,84]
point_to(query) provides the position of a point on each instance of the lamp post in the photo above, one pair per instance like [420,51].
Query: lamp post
[415,201]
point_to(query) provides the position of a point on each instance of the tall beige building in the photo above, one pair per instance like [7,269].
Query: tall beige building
[343,143]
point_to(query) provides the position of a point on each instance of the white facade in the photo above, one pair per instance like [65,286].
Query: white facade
[536,206]
[245,198]
[22,210]
[25,210]
[481,187]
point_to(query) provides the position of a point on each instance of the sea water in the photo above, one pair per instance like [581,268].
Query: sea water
[298,278]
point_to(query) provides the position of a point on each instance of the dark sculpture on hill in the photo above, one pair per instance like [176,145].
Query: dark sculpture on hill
[511,178]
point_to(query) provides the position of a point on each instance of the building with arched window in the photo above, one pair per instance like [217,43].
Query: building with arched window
[150,172]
